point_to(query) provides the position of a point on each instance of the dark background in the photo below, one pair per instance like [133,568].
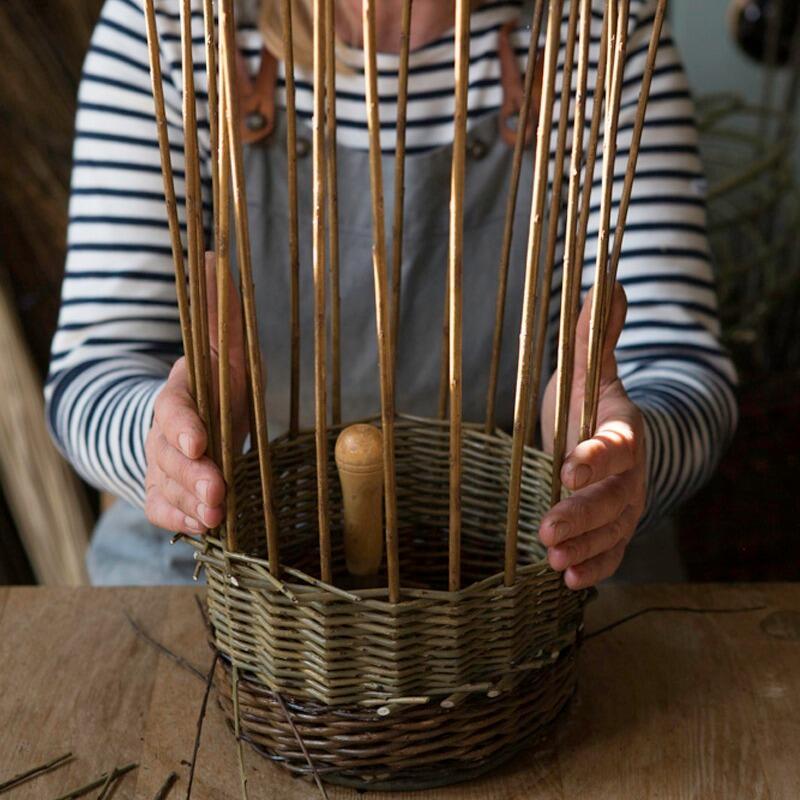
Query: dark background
[43,43]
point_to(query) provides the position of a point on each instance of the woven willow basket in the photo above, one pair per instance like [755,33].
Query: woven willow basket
[435,689]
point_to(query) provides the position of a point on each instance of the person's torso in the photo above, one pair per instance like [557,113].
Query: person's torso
[423,275]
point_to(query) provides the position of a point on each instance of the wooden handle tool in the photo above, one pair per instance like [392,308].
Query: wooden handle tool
[359,459]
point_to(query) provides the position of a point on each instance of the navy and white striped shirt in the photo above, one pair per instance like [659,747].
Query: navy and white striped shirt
[118,331]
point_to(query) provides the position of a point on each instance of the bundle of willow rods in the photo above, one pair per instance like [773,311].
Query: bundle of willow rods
[227,165]
[48,504]
[335,651]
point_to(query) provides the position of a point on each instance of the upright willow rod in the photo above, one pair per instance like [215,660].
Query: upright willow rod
[627,189]
[318,252]
[561,424]
[511,206]
[400,175]
[333,210]
[543,318]
[635,146]
[455,276]
[294,246]
[382,317]
[169,192]
[223,275]
[194,227]
[444,365]
[213,103]
[562,419]
[522,399]
[572,267]
[601,297]
[612,10]
[213,131]
[256,369]
[591,161]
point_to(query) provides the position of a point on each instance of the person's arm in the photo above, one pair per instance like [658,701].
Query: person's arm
[118,333]
[670,358]
[665,425]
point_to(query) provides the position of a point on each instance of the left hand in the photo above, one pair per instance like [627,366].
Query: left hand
[586,534]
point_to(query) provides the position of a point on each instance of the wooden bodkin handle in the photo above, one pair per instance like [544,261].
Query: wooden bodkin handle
[359,459]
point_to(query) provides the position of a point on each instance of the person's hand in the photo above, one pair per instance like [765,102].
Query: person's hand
[586,533]
[185,490]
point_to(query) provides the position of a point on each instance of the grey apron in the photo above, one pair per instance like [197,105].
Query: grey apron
[126,549]
[425,248]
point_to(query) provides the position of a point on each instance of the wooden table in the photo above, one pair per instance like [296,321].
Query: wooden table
[670,705]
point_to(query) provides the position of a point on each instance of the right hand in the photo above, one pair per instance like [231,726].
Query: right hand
[185,490]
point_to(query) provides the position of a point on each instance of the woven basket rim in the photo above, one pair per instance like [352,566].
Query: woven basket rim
[308,589]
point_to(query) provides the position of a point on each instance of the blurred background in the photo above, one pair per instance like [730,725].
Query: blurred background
[743,61]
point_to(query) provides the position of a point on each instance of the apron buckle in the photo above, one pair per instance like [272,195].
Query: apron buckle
[257,97]
[513,89]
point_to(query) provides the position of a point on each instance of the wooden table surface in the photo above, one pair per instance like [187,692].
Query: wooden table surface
[669,705]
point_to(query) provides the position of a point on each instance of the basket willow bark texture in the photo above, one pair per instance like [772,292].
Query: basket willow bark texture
[467,652]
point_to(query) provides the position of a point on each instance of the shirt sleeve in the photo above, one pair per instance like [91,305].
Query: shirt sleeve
[671,361]
[118,330]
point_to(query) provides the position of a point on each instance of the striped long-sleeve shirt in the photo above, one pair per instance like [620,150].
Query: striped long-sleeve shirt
[118,330]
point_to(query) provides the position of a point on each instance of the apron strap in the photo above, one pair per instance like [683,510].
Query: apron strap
[257,97]
[513,89]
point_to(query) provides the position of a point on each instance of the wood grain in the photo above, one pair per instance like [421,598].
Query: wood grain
[359,461]
[669,705]
[4,591]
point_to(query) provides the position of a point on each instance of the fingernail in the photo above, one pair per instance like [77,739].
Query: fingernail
[185,442]
[202,510]
[193,524]
[201,489]
[581,475]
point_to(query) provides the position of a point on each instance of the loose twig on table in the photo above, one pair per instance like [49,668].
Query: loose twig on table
[671,609]
[201,717]
[35,772]
[179,660]
[105,787]
[81,791]
[164,791]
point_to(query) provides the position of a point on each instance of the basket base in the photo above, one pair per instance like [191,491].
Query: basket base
[424,747]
